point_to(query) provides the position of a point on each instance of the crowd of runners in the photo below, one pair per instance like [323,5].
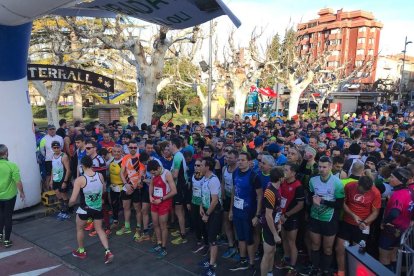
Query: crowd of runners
[309,186]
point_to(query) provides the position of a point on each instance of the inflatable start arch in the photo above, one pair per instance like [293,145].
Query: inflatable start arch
[16,119]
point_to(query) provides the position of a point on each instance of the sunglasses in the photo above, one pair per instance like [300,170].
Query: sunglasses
[371,146]
[88,148]
[132,147]
[197,165]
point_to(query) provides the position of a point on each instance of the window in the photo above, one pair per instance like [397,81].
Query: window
[335,42]
[361,40]
[335,53]
[360,52]
[358,63]
[371,41]
[371,52]
[305,47]
[361,29]
[335,31]
[333,63]
[306,36]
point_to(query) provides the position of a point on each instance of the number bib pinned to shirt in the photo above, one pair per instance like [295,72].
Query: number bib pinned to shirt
[238,203]
[158,192]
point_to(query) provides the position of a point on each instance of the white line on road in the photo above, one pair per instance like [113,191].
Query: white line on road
[37,272]
[13,252]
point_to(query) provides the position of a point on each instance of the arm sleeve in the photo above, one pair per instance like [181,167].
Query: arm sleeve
[337,204]
[256,182]
[269,199]
[299,193]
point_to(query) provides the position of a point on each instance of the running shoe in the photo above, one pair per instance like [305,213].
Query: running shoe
[161,254]
[93,233]
[155,249]
[59,215]
[243,265]
[204,251]
[252,269]
[209,272]
[206,264]
[175,233]
[143,237]
[108,232]
[89,226]
[230,252]
[8,243]
[179,241]
[114,224]
[199,246]
[123,231]
[64,216]
[137,235]
[77,254]
[109,257]
[236,257]
[283,264]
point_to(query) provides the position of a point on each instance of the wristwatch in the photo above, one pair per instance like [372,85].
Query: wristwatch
[162,199]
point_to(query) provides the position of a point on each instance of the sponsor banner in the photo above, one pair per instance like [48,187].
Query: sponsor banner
[69,74]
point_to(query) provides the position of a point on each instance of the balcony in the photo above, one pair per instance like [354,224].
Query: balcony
[361,45]
[333,58]
[334,47]
[335,36]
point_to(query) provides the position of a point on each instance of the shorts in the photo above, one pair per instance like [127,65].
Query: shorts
[137,196]
[351,233]
[58,186]
[324,228]
[389,238]
[214,226]
[290,224]
[267,236]
[88,213]
[244,229]
[163,208]
[179,198]
[226,204]
[48,167]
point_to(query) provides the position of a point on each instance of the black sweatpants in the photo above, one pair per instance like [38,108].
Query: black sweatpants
[6,214]
[116,204]
[200,227]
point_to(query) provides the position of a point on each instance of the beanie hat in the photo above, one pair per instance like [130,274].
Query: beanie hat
[354,149]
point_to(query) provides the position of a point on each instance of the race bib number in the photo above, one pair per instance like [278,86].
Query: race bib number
[115,188]
[366,231]
[238,203]
[277,217]
[196,192]
[158,192]
[80,211]
[283,202]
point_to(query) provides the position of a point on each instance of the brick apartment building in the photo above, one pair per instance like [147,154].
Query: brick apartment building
[352,37]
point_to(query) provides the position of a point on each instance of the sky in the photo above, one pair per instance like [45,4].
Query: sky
[275,15]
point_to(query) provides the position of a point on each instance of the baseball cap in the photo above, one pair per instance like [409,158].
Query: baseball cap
[55,144]
[273,148]
[409,141]
[50,126]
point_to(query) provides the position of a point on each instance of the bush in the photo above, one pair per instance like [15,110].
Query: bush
[40,111]
[194,107]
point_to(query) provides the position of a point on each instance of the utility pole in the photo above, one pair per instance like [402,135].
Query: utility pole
[210,72]
[402,70]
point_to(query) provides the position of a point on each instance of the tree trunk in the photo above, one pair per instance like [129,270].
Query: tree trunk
[240,96]
[204,104]
[145,103]
[320,104]
[294,102]
[177,107]
[52,112]
[77,104]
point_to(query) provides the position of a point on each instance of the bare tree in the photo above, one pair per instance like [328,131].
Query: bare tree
[52,42]
[145,52]
[328,80]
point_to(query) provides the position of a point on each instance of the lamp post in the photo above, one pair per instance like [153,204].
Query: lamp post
[210,72]
[402,69]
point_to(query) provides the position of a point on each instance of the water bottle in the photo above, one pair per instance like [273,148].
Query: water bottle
[362,247]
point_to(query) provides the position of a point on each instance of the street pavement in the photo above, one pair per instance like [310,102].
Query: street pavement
[49,242]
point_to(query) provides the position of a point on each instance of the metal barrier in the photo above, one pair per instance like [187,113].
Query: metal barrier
[406,254]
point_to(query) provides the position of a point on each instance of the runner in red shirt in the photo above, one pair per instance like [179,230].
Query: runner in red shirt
[162,190]
[292,202]
[362,204]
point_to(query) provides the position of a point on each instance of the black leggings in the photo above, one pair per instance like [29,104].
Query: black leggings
[116,204]
[6,214]
[200,227]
